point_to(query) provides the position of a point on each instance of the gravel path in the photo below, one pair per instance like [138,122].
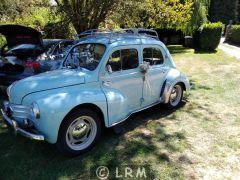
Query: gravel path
[233,51]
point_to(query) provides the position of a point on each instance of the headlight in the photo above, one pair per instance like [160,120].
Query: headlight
[35,110]
[9,90]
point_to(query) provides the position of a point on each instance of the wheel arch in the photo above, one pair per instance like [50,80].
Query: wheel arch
[167,88]
[182,84]
[91,106]
[61,142]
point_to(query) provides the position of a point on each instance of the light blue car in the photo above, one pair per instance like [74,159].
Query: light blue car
[103,80]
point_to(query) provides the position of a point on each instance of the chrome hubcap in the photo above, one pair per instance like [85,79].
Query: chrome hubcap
[176,95]
[81,133]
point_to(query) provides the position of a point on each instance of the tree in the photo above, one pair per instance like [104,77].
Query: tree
[131,14]
[224,11]
[199,15]
[9,10]
[86,14]
[174,14]
[153,13]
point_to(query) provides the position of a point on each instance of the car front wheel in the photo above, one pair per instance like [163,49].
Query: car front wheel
[79,132]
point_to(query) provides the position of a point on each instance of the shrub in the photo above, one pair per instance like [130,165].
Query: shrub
[234,35]
[210,36]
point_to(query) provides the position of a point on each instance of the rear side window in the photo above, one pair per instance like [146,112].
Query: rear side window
[153,55]
[123,60]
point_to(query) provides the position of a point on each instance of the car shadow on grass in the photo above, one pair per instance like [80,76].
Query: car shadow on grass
[40,160]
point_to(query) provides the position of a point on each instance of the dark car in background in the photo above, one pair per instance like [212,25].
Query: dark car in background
[26,53]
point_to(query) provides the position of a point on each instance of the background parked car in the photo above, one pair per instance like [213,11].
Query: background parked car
[17,34]
[27,54]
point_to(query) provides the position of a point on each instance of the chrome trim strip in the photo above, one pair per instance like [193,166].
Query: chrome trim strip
[20,130]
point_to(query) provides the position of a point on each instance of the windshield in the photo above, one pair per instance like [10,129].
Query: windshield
[57,50]
[62,48]
[85,56]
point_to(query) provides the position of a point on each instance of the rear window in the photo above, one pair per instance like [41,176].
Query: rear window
[153,56]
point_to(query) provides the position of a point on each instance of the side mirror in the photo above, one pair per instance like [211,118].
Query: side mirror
[109,69]
[144,67]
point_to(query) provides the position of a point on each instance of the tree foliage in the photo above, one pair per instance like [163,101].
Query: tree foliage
[153,13]
[199,15]
[131,14]
[86,14]
[224,11]
[10,10]
[171,13]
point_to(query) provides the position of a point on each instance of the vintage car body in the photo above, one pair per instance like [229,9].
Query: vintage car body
[42,102]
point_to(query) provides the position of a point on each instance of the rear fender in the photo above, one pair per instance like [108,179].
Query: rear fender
[173,77]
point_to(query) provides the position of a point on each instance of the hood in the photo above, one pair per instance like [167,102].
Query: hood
[45,81]
[16,34]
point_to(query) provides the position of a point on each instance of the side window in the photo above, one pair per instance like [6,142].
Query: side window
[147,55]
[129,59]
[123,60]
[153,55]
[157,56]
[115,61]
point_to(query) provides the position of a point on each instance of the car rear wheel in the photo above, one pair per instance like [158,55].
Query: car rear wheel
[176,96]
[79,132]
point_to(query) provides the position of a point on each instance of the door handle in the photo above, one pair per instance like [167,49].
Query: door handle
[107,82]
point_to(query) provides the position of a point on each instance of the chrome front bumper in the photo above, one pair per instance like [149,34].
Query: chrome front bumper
[19,130]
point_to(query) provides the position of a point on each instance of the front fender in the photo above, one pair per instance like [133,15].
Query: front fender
[173,77]
[55,104]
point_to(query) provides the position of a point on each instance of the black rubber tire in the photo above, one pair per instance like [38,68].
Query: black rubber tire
[61,142]
[169,105]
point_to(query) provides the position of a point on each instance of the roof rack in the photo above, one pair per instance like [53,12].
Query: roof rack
[142,31]
[130,32]
[91,32]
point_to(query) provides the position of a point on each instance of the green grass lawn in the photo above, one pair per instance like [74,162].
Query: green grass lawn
[201,139]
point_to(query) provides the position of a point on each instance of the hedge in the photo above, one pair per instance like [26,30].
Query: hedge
[210,36]
[170,36]
[234,34]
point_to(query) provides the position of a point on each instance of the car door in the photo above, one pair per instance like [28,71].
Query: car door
[122,83]
[154,78]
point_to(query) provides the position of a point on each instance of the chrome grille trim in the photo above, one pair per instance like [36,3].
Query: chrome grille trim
[20,111]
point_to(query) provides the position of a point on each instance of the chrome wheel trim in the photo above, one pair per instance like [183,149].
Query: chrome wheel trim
[81,133]
[176,95]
